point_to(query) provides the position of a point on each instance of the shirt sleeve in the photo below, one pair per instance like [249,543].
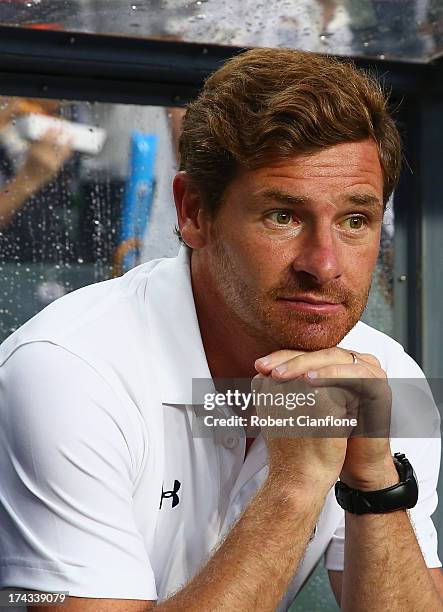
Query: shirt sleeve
[66,485]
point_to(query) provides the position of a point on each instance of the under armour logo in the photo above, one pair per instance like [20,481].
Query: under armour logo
[173,494]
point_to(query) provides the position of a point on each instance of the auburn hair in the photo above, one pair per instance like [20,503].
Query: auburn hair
[268,104]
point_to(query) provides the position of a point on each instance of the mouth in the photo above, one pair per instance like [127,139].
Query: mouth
[310,304]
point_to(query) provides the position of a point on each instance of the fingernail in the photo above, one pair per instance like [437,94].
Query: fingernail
[311,374]
[281,369]
[264,361]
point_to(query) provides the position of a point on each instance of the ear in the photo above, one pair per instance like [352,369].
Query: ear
[192,221]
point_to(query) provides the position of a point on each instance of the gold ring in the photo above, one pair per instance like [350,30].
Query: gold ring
[354,358]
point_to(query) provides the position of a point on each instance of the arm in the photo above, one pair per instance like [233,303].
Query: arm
[336,580]
[252,568]
[387,541]
[384,567]
[12,198]
[424,455]
[44,159]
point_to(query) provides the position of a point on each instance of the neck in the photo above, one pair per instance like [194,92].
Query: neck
[230,349]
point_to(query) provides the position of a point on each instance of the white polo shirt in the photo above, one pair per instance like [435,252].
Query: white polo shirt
[104,491]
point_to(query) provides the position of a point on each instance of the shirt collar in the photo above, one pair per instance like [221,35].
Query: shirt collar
[178,352]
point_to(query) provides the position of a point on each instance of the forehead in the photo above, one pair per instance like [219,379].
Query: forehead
[348,165]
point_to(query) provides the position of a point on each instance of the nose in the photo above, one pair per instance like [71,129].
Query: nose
[318,256]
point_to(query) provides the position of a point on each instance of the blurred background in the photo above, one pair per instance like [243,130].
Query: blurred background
[91,100]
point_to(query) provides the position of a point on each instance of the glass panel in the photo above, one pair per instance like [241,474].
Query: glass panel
[316,595]
[392,29]
[70,218]
[379,312]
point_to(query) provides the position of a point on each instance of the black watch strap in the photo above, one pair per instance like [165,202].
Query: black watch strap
[401,496]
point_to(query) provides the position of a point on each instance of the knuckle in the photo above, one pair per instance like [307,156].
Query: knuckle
[363,372]
[371,359]
[332,372]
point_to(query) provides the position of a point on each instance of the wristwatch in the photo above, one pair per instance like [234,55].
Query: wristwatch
[400,496]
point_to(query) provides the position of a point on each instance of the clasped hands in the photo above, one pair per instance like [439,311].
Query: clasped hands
[341,381]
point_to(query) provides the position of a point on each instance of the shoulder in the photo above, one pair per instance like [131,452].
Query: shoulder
[54,399]
[85,320]
[103,334]
[392,356]
[368,337]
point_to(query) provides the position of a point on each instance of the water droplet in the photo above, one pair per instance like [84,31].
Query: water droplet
[134,7]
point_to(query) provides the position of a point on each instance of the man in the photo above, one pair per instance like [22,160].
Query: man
[287,160]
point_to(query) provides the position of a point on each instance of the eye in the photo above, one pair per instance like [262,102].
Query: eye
[355,222]
[281,217]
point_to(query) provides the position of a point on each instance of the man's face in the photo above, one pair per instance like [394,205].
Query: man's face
[294,244]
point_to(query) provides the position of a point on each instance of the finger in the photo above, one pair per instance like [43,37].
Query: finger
[356,379]
[299,365]
[370,362]
[372,397]
[268,362]
[340,375]
[371,359]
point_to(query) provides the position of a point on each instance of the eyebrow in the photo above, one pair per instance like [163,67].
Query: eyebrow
[283,197]
[364,199]
[359,199]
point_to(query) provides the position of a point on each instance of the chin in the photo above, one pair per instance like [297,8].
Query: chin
[311,335]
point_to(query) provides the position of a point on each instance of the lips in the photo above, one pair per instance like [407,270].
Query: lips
[309,300]
[310,304]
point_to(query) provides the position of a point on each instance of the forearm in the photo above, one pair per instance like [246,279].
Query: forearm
[253,567]
[12,198]
[384,566]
